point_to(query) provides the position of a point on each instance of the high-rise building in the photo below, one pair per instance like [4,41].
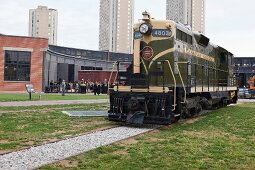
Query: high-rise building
[198,15]
[43,22]
[116,25]
[188,12]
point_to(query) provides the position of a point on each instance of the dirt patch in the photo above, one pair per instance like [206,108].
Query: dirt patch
[51,140]
[193,120]
[21,127]
[68,164]
[30,143]
[87,122]
[129,141]
[2,152]
[249,165]
[195,133]
[252,138]
[206,159]
[221,134]
[103,128]
[121,152]
[205,143]
[213,134]
[58,132]
[157,130]
[155,139]
[4,141]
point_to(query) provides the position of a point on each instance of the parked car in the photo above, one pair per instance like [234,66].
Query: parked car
[244,93]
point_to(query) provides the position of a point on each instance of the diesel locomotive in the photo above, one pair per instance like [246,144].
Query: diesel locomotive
[176,73]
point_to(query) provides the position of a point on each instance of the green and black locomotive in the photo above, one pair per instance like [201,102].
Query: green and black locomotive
[176,73]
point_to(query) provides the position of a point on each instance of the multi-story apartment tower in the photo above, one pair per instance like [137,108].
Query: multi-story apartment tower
[116,25]
[198,15]
[188,12]
[43,22]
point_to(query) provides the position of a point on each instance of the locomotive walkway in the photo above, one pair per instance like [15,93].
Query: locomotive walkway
[53,102]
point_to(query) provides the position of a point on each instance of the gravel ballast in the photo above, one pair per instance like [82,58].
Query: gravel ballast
[45,154]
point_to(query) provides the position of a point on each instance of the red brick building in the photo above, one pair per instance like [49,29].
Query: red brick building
[100,76]
[21,62]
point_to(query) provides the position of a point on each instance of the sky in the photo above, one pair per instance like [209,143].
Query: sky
[229,23]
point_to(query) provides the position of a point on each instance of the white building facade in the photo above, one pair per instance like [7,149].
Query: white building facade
[43,22]
[116,26]
[188,12]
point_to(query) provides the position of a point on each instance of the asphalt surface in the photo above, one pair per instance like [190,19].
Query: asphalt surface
[54,102]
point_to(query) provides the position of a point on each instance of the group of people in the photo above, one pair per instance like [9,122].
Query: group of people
[78,87]
[92,87]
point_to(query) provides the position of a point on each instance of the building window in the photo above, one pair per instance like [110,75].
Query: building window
[179,34]
[17,66]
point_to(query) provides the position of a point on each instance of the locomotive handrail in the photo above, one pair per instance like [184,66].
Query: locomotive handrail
[111,75]
[185,92]
[174,84]
[118,68]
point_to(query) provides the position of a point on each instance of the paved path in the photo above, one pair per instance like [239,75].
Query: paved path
[246,100]
[53,102]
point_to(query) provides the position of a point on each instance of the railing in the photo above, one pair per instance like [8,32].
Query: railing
[109,80]
[170,67]
[183,85]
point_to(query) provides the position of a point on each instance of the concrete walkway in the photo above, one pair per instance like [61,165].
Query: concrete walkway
[52,102]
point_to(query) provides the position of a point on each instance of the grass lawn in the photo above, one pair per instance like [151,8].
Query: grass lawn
[223,139]
[46,96]
[21,127]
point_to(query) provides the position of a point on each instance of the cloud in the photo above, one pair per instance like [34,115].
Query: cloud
[230,24]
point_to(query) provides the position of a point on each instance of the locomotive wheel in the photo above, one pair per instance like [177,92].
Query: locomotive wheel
[198,108]
[175,119]
[133,104]
[234,100]
[185,113]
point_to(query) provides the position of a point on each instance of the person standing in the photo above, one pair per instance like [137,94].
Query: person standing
[63,86]
[95,88]
[98,88]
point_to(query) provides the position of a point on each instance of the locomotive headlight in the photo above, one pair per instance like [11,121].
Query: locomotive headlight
[145,29]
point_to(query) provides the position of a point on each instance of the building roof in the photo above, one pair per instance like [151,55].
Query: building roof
[244,57]
[22,36]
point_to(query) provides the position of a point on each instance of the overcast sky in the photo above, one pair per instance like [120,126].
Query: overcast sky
[229,23]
